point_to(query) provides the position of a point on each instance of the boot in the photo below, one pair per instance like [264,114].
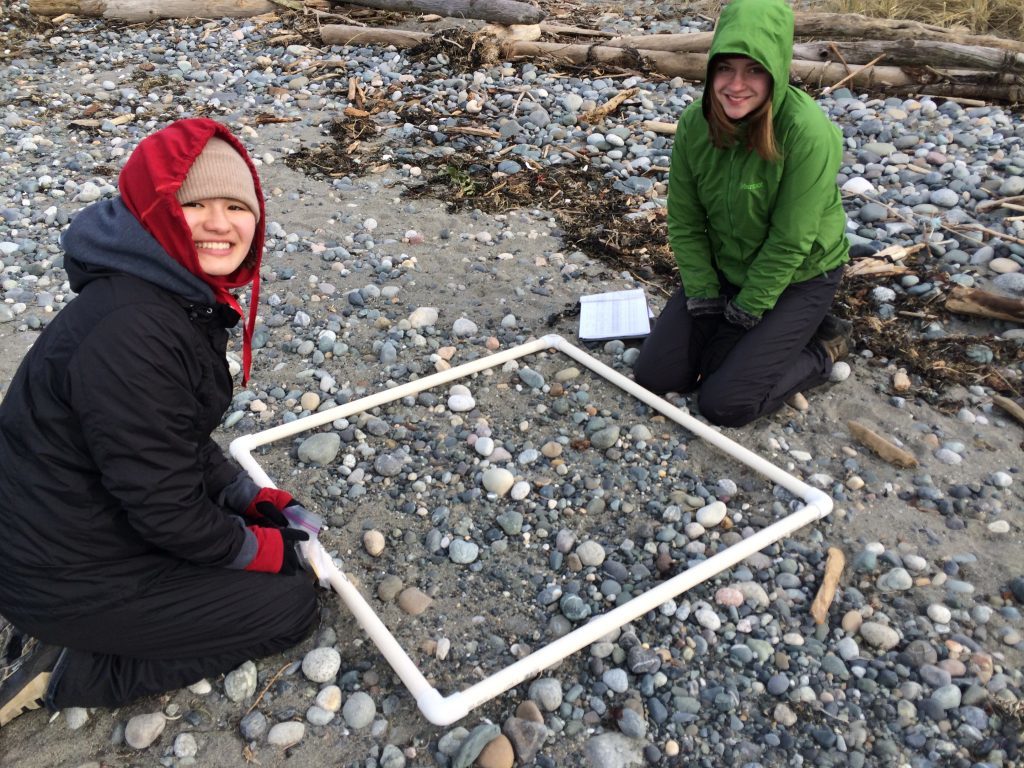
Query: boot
[834,336]
[23,682]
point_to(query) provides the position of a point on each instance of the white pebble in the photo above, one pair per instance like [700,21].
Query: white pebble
[939,613]
[286,734]
[1001,479]
[321,664]
[711,515]
[840,372]
[143,730]
[423,316]
[520,491]
[498,480]
[708,619]
[999,526]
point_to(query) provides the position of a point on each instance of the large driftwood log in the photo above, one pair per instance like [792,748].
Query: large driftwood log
[824,26]
[498,11]
[693,66]
[148,10]
[974,301]
[920,53]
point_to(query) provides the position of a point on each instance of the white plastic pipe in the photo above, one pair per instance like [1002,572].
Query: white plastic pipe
[445,710]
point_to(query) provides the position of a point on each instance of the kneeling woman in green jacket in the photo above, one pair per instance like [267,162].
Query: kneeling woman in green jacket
[756,224]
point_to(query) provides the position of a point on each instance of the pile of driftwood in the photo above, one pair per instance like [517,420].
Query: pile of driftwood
[880,56]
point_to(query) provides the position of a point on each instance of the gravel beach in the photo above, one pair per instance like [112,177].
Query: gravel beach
[486,519]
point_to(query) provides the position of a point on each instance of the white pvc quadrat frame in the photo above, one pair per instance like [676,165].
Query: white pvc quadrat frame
[445,710]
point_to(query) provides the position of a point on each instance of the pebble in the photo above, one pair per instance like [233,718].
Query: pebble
[286,734]
[321,665]
[498,480]
[373,543]
[240,683]
[712,514]
[358,710]
[879,635]
[413,601]
[142,730]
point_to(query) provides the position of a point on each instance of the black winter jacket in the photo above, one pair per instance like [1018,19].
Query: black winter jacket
[108,473]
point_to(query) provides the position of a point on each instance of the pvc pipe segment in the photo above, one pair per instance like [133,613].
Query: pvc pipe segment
[445,710]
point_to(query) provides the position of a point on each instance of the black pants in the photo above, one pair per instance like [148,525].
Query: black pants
[773,360]
[189,623]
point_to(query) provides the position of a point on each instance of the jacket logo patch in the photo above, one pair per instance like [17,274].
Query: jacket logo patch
[752,186]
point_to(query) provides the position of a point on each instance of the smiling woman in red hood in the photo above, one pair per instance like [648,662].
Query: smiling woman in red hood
[150,184]
[133,551]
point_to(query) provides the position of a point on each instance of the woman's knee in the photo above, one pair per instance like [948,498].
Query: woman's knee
[726,409]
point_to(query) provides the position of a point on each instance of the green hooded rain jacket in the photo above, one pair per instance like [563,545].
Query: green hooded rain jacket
[761,225]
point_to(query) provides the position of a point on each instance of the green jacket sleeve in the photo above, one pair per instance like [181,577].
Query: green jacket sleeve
[812,157]
[687,220]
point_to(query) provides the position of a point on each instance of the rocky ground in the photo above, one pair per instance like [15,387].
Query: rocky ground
[483,523]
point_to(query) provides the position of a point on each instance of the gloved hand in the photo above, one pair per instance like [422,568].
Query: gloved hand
[275,550]
[266,507]
[276,508]
[705,316]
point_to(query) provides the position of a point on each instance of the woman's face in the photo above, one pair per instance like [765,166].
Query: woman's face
[741,85]
[222,231]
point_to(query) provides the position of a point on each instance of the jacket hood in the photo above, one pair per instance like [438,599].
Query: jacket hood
[148,183]
[105,238]
[761,30]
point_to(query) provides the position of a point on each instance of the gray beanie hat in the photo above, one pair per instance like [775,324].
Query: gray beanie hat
[219,171]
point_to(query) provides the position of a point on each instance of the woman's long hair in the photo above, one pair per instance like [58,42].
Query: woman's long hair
[724,132]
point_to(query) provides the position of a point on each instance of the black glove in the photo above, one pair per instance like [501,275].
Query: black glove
[264,513]
[291,562]
[705,317]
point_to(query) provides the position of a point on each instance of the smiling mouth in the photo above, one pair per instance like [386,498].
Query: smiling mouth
[214,246]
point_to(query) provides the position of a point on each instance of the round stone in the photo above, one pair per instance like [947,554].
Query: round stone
[321,665]
[359,710]
[939,613]
[498,480]
[286,734]
[143,730]
[373,543]
[711,515]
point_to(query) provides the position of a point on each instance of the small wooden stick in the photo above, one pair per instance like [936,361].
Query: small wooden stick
[267,687]
[852,75]
[881,446]
[827,592]
[1010,407]
[596,115]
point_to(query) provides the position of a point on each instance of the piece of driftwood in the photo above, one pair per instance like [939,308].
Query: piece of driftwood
[598,114]
[660,126]
[826,593]
[693,66]
[498,11]
[974,301]
[826,26]
[988,205]
[919,53]
[148,10]
[1010,407]
[885,449]
[872,266]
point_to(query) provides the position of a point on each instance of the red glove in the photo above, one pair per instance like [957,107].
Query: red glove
[266,507]
[276,552]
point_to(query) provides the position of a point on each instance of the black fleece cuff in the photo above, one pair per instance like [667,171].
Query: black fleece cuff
[714,305]
[738,316]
